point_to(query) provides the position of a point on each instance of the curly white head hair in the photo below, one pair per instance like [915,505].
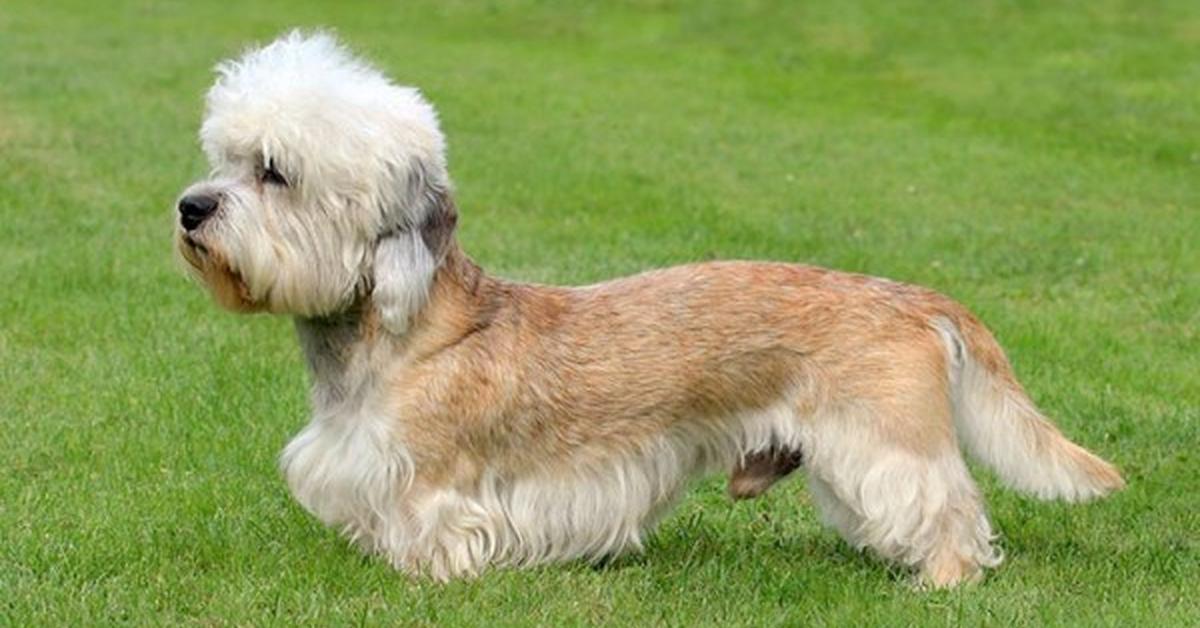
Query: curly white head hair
[328,182]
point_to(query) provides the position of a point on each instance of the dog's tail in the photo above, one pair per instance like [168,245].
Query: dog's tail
[1003,429]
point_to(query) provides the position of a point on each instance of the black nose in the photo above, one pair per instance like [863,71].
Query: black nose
[194,208]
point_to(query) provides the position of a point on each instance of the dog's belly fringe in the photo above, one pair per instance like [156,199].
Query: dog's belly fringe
[343,474]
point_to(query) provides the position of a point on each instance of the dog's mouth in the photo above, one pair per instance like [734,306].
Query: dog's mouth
[194,252]
[194,244]
[224,282]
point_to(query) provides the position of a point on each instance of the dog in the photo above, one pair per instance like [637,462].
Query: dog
[461,421]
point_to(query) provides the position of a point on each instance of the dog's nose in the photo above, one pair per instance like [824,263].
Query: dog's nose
[194,208]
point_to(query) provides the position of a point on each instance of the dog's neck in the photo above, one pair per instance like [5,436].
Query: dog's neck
[347,351]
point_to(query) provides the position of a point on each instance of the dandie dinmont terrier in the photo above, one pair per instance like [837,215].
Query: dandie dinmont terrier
[461,420]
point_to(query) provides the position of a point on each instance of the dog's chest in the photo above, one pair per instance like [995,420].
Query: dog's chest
[348,469]
[349,466]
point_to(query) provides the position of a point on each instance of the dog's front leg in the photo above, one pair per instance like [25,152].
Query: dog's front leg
[442,534]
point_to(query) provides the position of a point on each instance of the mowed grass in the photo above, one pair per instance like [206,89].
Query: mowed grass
[1038,161]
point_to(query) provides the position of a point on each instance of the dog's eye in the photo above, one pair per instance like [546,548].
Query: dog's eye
[272,176]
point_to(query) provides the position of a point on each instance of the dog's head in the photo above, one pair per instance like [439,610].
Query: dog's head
[328,183]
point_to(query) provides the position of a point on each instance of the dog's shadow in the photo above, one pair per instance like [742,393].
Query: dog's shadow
[750,542]
[778,537]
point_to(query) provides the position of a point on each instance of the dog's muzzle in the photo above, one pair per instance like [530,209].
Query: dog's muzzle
[194,209]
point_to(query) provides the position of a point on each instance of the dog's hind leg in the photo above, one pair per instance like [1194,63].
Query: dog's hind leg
[923,512]
[910,499]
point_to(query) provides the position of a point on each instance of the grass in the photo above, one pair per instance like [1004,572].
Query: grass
[1038,161]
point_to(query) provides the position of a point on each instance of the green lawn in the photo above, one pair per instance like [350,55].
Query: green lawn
[1038,161]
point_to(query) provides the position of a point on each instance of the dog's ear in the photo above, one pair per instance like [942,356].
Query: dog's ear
[409,252]
[441,219]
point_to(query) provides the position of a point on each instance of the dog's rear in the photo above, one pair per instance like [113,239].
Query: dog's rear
[911,377]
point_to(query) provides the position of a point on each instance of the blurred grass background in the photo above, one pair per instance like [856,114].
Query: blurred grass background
[1039,161]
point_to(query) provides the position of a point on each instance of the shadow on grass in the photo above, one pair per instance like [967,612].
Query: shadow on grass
[697,547]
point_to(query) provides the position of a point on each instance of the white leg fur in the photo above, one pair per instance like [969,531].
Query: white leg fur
[919,510]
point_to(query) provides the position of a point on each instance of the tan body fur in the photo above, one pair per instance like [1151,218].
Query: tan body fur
[537,374]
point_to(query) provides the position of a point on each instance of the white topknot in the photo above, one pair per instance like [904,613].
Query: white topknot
[307,92]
